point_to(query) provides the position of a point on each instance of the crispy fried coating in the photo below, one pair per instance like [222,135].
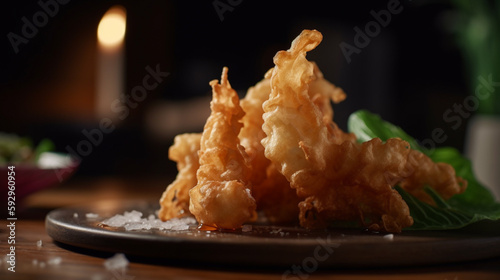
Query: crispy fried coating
[276,199]
[222,197]
[175,199]
[271,190]
[322,92]
[421,171]
[356,187]
[291,117]
[338,179]
[280,151]
[251,133]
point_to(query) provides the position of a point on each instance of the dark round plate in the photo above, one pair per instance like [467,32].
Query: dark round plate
[271,245]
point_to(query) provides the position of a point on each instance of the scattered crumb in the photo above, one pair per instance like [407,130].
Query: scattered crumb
[275,231]
[389,236]
[39,244]
[246,228]
[55,261]
[91,216]
[75,215]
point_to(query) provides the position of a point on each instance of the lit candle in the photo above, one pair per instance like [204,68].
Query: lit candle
[110,73]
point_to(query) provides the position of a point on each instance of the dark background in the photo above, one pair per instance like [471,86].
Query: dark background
[410,73]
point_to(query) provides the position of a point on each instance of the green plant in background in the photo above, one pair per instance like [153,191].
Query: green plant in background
[16,149]
[478,36]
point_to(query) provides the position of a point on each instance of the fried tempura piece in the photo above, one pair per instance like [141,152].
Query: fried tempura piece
[222,197]
[338,181]
[422,171]
[356,186]
[251,133]
[322,92]
[274,196]
[294,160]
[175,199]
[271,190]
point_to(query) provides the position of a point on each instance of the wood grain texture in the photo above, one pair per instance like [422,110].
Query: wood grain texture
[80,263]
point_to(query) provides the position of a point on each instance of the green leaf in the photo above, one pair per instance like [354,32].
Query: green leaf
[475,204]
[45,145]
[440,217]
[367,126]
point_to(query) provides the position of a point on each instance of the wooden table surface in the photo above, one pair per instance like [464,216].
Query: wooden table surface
[52,260]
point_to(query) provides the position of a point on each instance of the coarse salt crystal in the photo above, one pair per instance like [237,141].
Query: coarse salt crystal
[118,261]
[91,216]
[275,231]
[133,221]
[39,244]
[75,215]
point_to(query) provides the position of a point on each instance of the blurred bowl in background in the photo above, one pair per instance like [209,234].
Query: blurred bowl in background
[50,170]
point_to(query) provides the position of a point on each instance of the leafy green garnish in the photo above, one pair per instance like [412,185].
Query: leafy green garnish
[45,145]
[475,204]
[15,149]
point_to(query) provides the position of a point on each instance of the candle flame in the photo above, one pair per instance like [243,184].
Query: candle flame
[111,29]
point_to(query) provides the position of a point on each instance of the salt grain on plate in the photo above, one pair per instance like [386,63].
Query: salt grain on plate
[91,216]
[246,228]
[133,221]
[275,231]
[118,261]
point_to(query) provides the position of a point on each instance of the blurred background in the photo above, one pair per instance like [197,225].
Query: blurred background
[411,71]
